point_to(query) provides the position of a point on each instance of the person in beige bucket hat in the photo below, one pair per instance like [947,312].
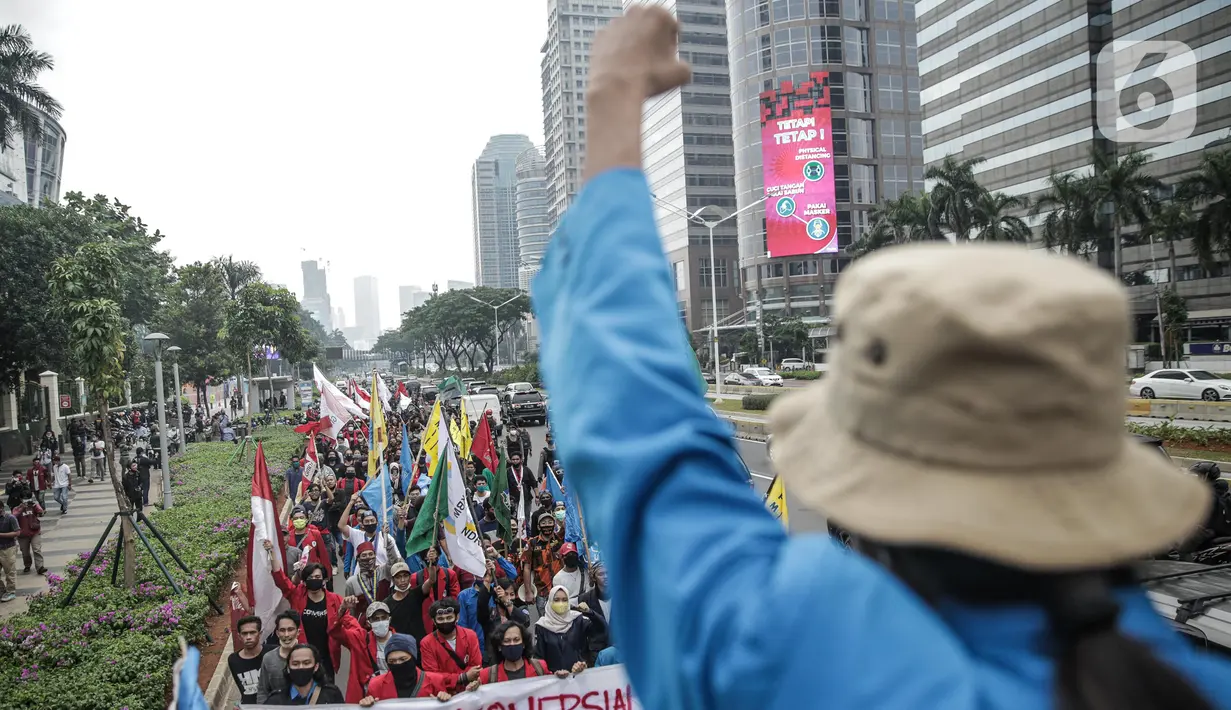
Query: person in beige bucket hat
[975,401]
[969,433]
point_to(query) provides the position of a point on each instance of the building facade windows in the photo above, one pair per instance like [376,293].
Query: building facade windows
[720,273]
[893,138]
[856,46]
[861,138]
[889,92]
[888,48]
[826,44]
[863,184]
[791,47]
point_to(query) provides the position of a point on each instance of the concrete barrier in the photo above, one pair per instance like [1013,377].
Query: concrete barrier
[1181,409]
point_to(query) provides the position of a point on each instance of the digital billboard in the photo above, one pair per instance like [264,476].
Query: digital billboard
[797,164]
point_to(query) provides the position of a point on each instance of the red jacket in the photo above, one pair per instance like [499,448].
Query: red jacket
[382,687]
[362,645]
[313,546]
[37,478]
[297,596]
[433,655]
[446,586]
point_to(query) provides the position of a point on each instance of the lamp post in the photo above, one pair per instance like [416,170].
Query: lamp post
[159,340]
[175,351]
[695,218]
[496,312]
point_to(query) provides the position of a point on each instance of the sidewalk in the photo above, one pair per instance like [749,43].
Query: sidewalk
[90,508]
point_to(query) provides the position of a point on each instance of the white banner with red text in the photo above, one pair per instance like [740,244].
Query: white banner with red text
[604,688]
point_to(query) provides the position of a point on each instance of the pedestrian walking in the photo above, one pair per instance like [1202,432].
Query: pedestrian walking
[131,482]
[98,457]
[29,516]
[62,482]
[79,447]
[9,530]
[37,478]
[144,463]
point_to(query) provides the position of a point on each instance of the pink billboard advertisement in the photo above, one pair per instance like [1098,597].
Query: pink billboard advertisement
[797,159]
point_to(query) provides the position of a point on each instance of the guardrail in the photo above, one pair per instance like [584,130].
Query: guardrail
[1180,409]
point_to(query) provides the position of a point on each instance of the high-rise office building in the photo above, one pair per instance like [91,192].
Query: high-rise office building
[411,297]
[316,294]
[45,161]
[452,285]
[689,160]
[533,222]
[339,318]
[565,75]
[868,49]
[1016,82]
[493,187]
[367,307]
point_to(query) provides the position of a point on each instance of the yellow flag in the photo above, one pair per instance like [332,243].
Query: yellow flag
[431,438]
[775,500]
[467,440]
[380,437]
[455,434]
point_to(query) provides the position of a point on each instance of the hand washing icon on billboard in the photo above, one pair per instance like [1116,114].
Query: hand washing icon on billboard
[797,159]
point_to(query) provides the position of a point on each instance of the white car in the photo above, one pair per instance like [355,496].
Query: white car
[1181,384]
[792,364]
[514,387]
[763,376]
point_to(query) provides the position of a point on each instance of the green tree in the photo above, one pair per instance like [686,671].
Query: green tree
[262,315]
[478,322]
[1122,183]
[1210,190]
[788,335]
[953,197]
[1072,224]
[21,97]
[899,221]
[1175,317]
[193,314]
[236,274]
[993,221]
[1171,222]
[86,289]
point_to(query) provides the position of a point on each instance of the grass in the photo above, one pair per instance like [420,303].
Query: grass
[735,405]
[1203,454]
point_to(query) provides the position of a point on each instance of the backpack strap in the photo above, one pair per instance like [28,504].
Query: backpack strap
[488,675]
[539,666]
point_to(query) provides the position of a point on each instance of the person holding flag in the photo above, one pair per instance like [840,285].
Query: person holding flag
[308,540]
[318,608]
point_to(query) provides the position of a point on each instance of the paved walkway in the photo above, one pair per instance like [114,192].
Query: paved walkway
[90,507]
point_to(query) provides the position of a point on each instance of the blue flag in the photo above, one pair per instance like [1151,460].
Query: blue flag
[572,520]
[187,693]
[378,494]
[408,466]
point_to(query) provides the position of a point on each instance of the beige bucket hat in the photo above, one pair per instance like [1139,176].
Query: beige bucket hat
[975,401]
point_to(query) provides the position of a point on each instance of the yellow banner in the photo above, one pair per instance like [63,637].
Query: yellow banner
[775,500]
[467,440]
[380,437]
[431,438]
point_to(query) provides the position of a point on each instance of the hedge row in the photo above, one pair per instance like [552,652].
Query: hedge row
[1186,437]
[801,374]
[758,402]
[114,648]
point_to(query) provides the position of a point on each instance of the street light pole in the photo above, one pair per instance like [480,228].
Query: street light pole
[159,340]
[179,407]
[695,218]
[496,313]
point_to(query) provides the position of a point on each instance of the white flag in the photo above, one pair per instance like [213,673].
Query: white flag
[338,407]
[462,537]
[382,390]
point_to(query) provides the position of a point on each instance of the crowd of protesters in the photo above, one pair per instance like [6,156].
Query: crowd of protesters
[414,624]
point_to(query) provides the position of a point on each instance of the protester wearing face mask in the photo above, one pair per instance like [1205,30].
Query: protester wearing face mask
[572,577]
[497,603]
[404,679]
[450,648]
[273,664]
[540,559]
[405,603]
[345,489]
[307,680]
[367,647]
[308,540]
[294,479]
[969,434]
[522,483]
[318,608]
[510,649]
[562,634]
[384,544]
[597,600]
[370,582]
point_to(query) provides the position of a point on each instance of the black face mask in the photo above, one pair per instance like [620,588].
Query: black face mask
[513,652]
[571,560]
[301,676]
[349,473]
[446,628]
[315,584]
[369,528]
[403,673]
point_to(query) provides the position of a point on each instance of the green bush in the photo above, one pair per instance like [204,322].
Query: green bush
[1185,437]
[800,375]
[112,647]
[758,402]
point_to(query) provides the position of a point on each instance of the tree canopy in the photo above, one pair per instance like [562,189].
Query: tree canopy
[21,96]
[460,325]
[263,315]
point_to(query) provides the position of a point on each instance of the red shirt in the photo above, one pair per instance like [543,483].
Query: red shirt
[28,519]
[37,477]
[446,586]
[434,657]
[383,688]
[312,545]
[297,597]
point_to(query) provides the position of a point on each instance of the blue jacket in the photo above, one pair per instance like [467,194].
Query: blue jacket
[468,599]
[718,607]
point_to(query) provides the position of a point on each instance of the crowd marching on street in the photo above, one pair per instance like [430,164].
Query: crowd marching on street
[373,563]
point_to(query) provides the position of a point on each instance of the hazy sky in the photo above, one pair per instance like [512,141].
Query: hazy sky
[283,130]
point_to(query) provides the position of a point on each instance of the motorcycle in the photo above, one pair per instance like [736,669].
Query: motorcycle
[1211,544]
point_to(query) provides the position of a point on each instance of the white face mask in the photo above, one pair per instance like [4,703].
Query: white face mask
[381,628]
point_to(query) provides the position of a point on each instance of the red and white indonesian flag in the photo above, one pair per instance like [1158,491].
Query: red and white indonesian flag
[263,594]
[362,397]
[335,405]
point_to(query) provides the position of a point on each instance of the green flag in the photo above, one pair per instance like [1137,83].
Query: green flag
[500,500]
[436,499]
[451,388]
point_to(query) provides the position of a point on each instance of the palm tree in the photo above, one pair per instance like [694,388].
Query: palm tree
[1210,187]
[20,97]
[1072,222]
[899,221]
[953,196]
[1171,222]
[993,224]
[1120,182]
[237,274]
